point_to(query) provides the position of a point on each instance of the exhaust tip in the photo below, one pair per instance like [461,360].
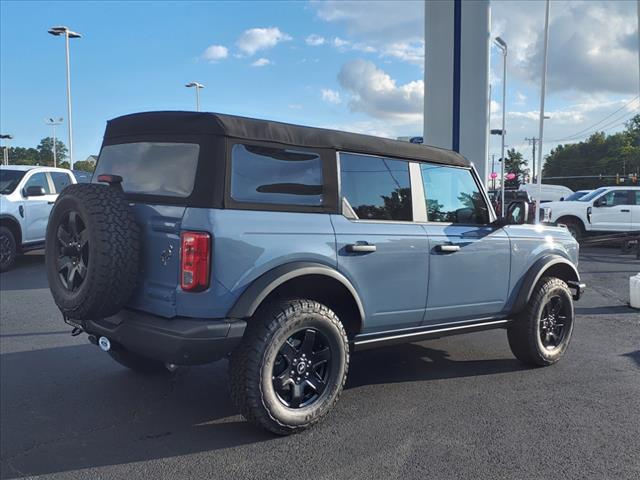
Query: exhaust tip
[104,344]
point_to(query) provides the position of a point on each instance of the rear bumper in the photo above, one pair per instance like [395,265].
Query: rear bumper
[180,340]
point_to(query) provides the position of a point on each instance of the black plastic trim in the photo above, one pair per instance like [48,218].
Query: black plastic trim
[253,296]
[179,340]
[535,273]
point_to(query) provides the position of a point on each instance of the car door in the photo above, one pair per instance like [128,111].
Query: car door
[635,211]
[37,209]
[469,257]
[380,249]
[612,211]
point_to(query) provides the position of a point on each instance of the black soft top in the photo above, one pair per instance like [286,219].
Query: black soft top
[232,126]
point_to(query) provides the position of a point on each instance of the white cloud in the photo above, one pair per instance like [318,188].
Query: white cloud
[412,52]
[495,107]
[261,62]
[345,45]
[214,53]
[315,40]
[331,96]
[521,98]
[375,93]
[256,39]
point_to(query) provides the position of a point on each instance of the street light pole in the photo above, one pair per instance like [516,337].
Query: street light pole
[541,120]
[53,123]
[5,151]
[197,86]
[57,31]
[502,45]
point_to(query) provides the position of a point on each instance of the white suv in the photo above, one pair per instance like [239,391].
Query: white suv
[27,194]
[607,209]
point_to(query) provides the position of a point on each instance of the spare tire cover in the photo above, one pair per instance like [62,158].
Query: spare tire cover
[92,251]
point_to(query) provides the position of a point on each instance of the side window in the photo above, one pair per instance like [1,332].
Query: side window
[276,176]
[637,197]
[617,197]
[376,188]
[38,180]
[60,180]
[453,196]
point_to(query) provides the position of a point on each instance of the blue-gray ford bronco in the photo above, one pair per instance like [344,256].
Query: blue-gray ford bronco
[285,248]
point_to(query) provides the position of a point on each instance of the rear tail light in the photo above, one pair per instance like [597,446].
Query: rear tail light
[195,256]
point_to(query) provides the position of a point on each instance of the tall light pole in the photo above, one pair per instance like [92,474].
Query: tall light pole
[502,45]
[543,86]
[5,151]
[197,86]
[53,123]
[57,31]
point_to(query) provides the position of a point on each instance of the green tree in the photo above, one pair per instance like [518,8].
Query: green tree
[23,156]
[84,165]
[45,151]
[515,164]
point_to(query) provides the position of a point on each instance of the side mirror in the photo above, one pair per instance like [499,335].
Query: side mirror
[562,199]
[517,213]
[601,202]
[34,191]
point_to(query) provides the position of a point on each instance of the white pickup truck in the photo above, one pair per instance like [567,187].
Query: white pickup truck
[27,194]
[607,209]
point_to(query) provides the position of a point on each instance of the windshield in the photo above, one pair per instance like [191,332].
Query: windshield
[590,196]
[9,180]
[152,168]
[576,196]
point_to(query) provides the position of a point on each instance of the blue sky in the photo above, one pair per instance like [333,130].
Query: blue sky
[350,65]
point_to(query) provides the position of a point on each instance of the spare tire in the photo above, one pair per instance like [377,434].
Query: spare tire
[92,251]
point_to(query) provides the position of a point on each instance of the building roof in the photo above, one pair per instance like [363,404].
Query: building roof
[201,123]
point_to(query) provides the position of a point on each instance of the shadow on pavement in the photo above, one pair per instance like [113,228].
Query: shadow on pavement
[85,411]
[28,273]
[608,310]
[635,356]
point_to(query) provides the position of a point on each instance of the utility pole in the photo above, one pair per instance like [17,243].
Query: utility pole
[533,141]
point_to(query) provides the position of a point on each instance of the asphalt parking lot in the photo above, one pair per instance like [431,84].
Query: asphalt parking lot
[457,407]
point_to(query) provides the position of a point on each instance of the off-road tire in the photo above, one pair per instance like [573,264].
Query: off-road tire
[251,365]
[9,249]
[524,333]
[138,363]
[114,244]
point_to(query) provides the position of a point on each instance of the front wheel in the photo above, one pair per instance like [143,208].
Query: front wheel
[291,366]
[541,333]
[8,249]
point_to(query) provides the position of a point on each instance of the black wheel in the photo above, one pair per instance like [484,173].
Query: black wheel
[137,363]
[291,366]
[575,227]
[92,249]
[7,249]
[541,333]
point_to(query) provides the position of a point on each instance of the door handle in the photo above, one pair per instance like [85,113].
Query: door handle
[51,203]
[625,210]
[447,248]
[361,248]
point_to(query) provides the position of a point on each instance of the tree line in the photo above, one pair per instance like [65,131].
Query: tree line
[43,155]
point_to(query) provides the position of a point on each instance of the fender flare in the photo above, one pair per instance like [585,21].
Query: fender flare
[536,272]
[6,217]
[260,288]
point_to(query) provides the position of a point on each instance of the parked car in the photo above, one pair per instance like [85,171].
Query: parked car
[82,176]
[513,195]
[607,209]
[287,248]
[577,195]
[27,194]
[548,193]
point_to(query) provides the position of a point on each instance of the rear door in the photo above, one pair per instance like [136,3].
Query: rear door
[380,249]
[612,211]
[469,259]
[160,176]
[37,209]
[635,211]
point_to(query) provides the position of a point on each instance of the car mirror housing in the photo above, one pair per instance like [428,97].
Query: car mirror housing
[517,213]
[34,191]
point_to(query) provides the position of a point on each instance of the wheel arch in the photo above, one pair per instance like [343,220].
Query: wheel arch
[573,218]
[549,265]
[12,224]
[309,280]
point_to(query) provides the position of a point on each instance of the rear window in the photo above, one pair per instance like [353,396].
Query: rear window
[270,175]
[153,168]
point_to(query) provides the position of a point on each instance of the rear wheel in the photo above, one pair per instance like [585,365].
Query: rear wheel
[291,366]
[8,249]
[541,333]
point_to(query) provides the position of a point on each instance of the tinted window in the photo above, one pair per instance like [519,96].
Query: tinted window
[453,196]
[617,197]
[60,180]
[276,175]
[165,169]
[376,188]
[637,197]
[38,180]
[9,180]
[590,196]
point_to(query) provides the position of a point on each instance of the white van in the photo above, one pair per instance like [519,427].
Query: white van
[550,193]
